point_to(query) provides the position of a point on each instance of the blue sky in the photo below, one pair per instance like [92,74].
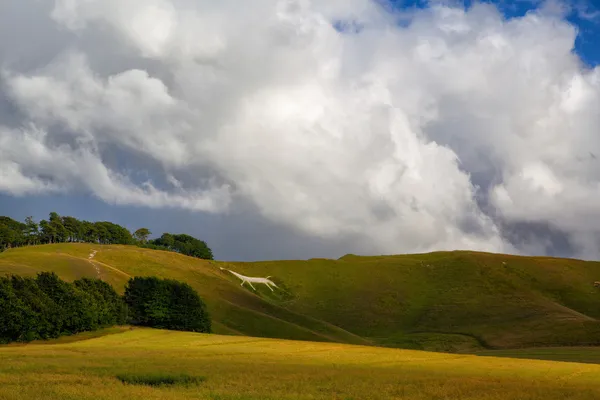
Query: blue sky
[584,14]
[298,189]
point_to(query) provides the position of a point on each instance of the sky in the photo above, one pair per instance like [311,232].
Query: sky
[293,129]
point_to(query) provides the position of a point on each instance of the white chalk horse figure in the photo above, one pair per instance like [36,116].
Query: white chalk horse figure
[251,279]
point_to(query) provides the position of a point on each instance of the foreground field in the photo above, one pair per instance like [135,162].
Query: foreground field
[446,301]
[245,368]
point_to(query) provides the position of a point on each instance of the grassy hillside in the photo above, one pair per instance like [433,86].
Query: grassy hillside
[570,354]
[456,301]
[244,368]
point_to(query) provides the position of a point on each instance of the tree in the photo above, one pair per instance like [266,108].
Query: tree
[89,232]
[187,310]
[12,233]
[45,319]
[14,316]
[46,307]
[142,234]
[167,240]
[112,310]
[191,246]
[59,229]
[48,233]
[184,244]
[103,233]
[109,233]
[31,231]
[77,306]
[73,228]
[167,304]
[60,232]
[6,236]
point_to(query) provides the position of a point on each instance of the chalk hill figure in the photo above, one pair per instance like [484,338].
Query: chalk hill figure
[251,279]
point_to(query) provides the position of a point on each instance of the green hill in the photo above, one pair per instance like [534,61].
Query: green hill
[454,301]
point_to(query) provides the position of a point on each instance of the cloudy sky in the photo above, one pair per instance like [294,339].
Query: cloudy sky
[304,128]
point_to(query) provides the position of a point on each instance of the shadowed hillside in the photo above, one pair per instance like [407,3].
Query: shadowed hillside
[451,301]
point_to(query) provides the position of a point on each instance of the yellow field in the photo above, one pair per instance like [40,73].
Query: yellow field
[236,367]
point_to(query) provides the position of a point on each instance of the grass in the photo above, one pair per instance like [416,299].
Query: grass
[444,301]
[568,354]
[247,368]
[73,338]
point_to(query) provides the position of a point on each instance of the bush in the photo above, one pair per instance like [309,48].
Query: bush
[160,379]
[166,304]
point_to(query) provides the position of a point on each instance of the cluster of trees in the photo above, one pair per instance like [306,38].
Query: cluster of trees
[61,229]
[47,307]
[182,243]
[167,304]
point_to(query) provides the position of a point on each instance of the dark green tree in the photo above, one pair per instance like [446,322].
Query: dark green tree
[142,234]
[45,320]
[7,237]
[59,229]
[60,232]
[78,307]
[167,240]
[112,309]
[46,307]
[89,232]
[12,233]
[73,228]
[167,304]
[14,315]
[31,231]
[47,232]
[184,244]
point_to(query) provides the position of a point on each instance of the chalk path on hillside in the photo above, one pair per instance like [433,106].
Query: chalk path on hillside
[92,261]
[90,258]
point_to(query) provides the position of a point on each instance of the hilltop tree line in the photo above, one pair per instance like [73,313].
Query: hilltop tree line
[47,307]
[65,229]
[182,243]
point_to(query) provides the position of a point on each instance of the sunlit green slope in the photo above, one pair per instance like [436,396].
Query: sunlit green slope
[443,301]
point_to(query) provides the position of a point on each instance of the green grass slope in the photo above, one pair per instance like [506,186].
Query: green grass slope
[568,354]
[497,300]
[245,368]
[449,301]
[234,310]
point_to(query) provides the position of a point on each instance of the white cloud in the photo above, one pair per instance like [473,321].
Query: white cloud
[375,133]
[586,10]
[30,164]
[13,181]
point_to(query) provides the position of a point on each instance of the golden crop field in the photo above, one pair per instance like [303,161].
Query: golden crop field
[244,368]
